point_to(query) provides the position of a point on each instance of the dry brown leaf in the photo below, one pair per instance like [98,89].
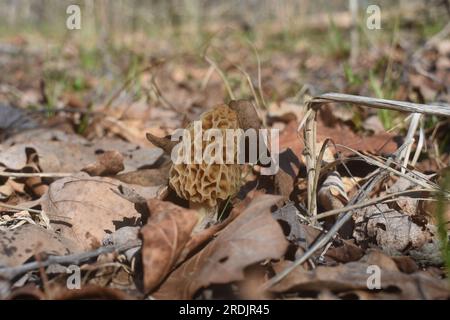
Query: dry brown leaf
[44,134]
[296,232]
[164,236]
[286,176]
[146,177]
[252,237]
[87,208]
[108,163]
[382,143]
[60,156]
[407,205]
[373,123]
[353,276]
[406,264]
[202,237]
[6,191]
[396,234]
[20,244]
[91,292]
[36,186]
[346,252]
[27,292]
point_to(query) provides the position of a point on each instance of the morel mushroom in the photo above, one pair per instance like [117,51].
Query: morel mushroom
[206,184]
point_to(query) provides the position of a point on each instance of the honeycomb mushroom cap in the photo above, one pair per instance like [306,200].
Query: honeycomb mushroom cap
[203,182]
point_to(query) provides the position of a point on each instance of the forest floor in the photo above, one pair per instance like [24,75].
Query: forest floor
[84,193]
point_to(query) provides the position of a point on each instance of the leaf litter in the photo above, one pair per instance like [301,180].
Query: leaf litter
[85,176]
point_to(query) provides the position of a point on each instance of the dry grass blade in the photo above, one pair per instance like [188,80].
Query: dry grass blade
[19,208]
[258,60]
[310,156]
[370,202]
[250,84]
[318,169]
[127,83]
[36,174]
[77,258]
[325,238]
[409,140]
[421,181]
[402,106]
[222,76]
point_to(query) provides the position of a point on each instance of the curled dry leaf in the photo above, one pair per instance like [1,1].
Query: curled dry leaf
[86,208]
[331,194]
[164,236]
[396,234]
[165,143]
[22,243]
[108,163]
[252,237]
[345,252]
[35,184]
[353,276]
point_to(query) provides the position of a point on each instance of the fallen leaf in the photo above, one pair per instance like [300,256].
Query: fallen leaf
[396,234]
[382,143]
[86,208]
[121,237]
[353,276]
[252,237]
[296,232]
[27,292]
[13,120]
[164,236]
[44,134]
[90,292]
[22,243]
[286,176]
[147,177]
[406,264]
[107,164]
[201,238]
[346,252]
[60,156]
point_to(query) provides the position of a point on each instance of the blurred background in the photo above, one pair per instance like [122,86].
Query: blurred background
[184,56]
